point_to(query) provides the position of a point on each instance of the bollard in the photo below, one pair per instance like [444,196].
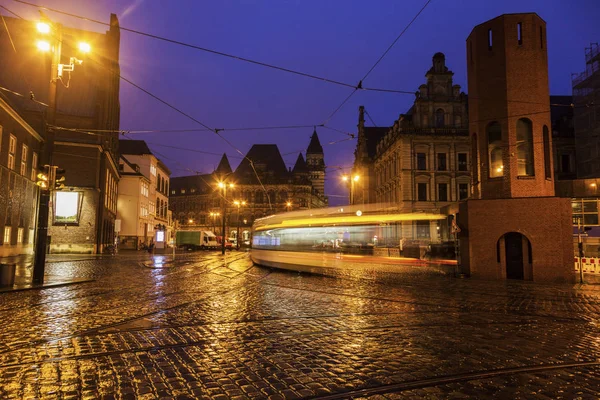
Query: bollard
[7,274]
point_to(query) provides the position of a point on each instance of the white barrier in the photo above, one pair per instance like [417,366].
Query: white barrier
[591,265]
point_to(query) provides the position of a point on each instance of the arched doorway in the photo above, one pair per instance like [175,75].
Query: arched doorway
[518,257]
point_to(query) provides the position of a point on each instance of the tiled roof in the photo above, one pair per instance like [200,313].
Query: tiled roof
[267,160]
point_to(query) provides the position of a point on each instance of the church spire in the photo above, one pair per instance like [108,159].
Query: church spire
[314,146]
[224,168]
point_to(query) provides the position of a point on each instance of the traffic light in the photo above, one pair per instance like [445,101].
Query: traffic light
[43,176]
[59,179]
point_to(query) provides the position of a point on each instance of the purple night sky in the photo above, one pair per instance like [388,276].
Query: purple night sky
[335,39]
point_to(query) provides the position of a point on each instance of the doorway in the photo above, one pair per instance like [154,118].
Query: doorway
[513,244]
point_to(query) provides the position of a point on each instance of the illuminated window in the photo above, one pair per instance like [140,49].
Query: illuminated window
[585,212]
[494,136]
[34,165]
[66,207]
[12,148]
[24,151]
[7,232]
[31,236]
[19,235]
[524,147]
[153,169]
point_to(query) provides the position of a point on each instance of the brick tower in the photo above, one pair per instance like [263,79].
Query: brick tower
[515,227]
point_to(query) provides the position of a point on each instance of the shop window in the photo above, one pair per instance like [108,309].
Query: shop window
[423,230]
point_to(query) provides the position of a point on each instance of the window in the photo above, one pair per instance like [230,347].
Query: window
[585,212]
[182,191]
[462,162]
[463,191]
[524,147]
[520,33]
[192,190]
[441,162]
[12,148]
[494,136]
[474,154]
[565,163]
[153,169]
[19,235]
[442,192]
[34,165]
[423,229]
[439,118]
[489,39]
[421,161]
[547,154]
[145,189]
[31,235]
[421,191]
[541,37]
[172,192]
[7,232]
[24,151]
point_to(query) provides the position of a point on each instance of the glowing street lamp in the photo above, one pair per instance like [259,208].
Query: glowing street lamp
[43,27]
[42,45]
[84,47]
[354,178]
[239,204]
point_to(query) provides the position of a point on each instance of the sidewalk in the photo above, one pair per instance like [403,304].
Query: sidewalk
[24,272]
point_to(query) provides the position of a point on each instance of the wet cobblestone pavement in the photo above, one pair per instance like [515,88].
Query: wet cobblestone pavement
[207,326]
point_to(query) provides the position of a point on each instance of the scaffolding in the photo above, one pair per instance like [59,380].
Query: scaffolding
[586,100]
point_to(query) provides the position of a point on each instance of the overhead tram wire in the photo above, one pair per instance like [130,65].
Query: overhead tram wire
[360,83]
[359,86]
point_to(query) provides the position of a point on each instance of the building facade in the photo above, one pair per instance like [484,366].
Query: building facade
[143,202]
[586,99]
[20,147]
[513,227]
[262,186]
[71,109]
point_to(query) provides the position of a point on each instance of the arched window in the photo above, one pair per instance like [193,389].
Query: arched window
[283,196]
[258,197]
[474,159]
[547,154]
[494,141]
[439,118]
[272,198]
[524,147]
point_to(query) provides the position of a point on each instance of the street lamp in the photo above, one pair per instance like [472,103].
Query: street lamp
[354,178]
[190,221]
[213,216]
[237,237]
[288,205]
[50,41]
[223,186]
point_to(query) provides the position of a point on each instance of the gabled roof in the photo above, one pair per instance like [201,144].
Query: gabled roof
[224,167]
[133,147]
[266,158]
[300,166]
[315,145]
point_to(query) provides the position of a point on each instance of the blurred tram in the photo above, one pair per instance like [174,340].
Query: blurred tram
[355,238]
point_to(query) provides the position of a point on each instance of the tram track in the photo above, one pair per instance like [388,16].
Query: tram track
[173,272]
[457,378]
[273,336]
[122,322]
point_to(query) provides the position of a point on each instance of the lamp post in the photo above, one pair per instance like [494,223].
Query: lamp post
[224,187]
[53,31]
[237,236]
[354,178]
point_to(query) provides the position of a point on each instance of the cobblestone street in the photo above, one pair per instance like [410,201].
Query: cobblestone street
[208,326]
